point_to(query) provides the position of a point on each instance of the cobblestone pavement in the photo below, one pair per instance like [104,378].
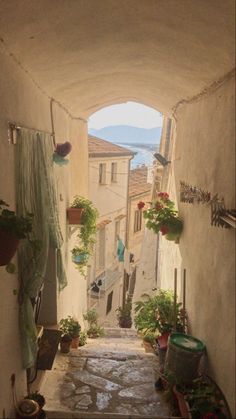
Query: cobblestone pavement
[109,377]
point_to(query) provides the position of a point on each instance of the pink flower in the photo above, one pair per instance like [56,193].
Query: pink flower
[140,205]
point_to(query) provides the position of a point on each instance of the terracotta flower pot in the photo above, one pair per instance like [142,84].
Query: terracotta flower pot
[27,409]
[75,342]
[8,247]
[74,215]
[65,344]
[182,404]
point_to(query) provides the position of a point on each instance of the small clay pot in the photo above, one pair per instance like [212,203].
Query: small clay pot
[65,344]
[27,409]
[75,342]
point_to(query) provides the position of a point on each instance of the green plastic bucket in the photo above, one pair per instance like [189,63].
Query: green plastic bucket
[183,357]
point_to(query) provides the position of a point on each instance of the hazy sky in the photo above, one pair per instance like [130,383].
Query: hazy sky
[129,113]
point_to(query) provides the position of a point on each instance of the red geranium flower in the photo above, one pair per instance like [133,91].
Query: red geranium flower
[163,195]
[164,230]
[210,415]
[140,205]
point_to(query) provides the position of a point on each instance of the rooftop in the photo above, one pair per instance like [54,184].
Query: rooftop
[102,148]
[138,181]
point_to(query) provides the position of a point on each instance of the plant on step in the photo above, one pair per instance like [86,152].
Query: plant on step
[156,315]
[124,314]
[70,326]
[83,338]
[94,330]
[162,216]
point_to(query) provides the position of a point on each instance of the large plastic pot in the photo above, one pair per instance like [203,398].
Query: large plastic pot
[183,357]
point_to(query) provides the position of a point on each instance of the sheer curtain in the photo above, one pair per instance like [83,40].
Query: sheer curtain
[36,193]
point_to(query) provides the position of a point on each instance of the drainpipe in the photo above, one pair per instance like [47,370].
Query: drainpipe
[126,232]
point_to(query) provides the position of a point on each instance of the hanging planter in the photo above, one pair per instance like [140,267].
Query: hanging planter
[162,217]
[74,215]
[172,229]
[79,256]
[61,151]
[12,229]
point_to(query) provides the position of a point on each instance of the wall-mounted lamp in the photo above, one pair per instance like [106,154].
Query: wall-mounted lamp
[162,160]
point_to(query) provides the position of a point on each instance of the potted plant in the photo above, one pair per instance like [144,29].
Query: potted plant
[156,315]
[80,256]
[83,338]
[82,211]
[39,398]
[162,216]
[124,315]
[71,330]
[12,229]
[27,409]
[94,330]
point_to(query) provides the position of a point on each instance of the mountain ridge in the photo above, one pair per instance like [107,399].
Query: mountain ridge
[127,134]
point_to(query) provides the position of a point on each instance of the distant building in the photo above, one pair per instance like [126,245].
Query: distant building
[139,190]
[109,167]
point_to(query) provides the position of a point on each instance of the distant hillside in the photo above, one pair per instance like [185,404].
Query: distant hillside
[125,134]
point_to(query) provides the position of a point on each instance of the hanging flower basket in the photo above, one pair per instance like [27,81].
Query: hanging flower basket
[80,258]
[74,215]
[8,247]
[172,229]
[162,217]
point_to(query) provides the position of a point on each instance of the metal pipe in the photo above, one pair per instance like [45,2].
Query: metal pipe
[184,298]
[175,297]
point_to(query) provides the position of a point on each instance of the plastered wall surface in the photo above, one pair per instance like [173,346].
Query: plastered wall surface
[204,156]
[22,102]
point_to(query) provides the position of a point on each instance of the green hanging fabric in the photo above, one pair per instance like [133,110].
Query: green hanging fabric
[36,193]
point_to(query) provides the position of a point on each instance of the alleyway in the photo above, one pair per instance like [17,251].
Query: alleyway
[109,377]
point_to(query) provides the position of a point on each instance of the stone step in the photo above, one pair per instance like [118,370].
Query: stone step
[59,414]
[120,332]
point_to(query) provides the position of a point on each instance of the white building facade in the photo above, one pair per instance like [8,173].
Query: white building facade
[108,190]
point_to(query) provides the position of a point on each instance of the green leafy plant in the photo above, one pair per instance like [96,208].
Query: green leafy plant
[18,226]
[83,338]
[124,314]
[94,330]
[162,216]
[70,326]
[87,231]
[80,256]
[156,315]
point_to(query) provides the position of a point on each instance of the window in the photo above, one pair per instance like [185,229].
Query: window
[114,172]
[109,302]
[102,173]
[100,249]
[137,220]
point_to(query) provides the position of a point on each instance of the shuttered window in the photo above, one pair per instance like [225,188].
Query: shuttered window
[102,173]
[137,220]
[100,249]
[114,172]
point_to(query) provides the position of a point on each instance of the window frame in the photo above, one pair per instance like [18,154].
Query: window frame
[102,174]
[138,217]
[114,172]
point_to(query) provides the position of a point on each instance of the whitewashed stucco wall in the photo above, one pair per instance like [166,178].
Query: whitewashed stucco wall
[204,156]
[22,102]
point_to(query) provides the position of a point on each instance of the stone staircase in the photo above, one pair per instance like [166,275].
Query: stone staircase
[118,332]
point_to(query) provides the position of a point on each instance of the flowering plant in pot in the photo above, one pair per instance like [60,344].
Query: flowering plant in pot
[12,229]
[162,216]
[124,315]
[71,330]
[82,211]
[94,330]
